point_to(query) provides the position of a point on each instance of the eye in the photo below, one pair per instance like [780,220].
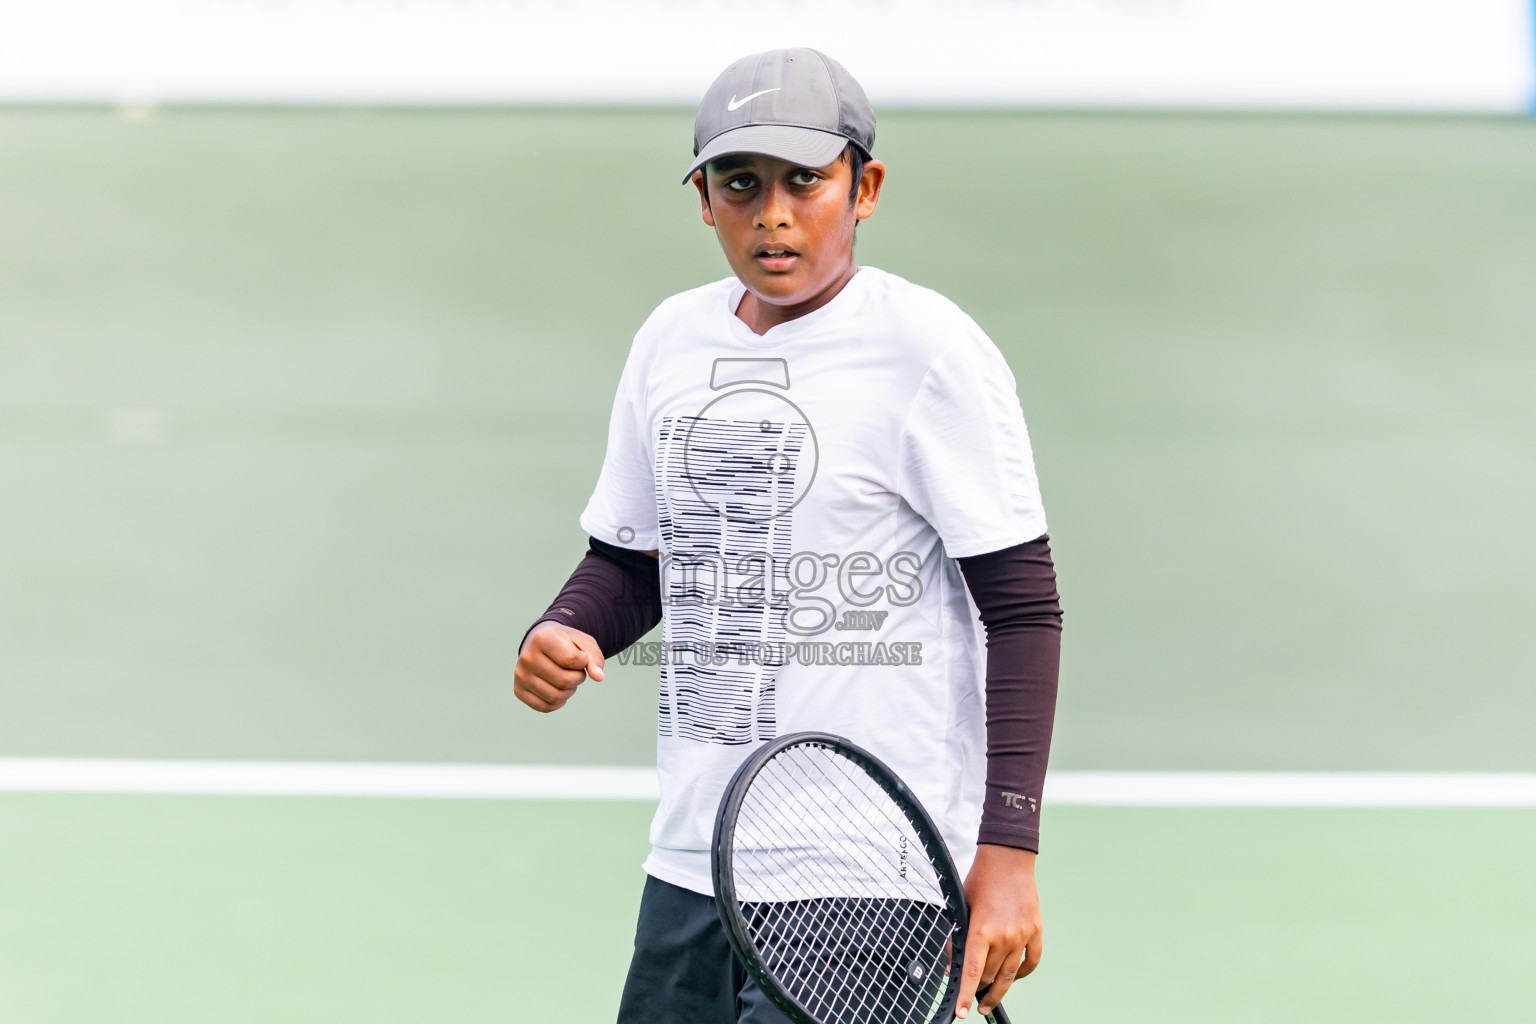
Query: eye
[740,184]
[803,178]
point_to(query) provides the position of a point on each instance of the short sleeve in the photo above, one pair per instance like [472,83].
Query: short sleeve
[622,509]
[965,463]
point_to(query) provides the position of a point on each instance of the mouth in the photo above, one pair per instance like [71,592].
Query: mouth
[773,256]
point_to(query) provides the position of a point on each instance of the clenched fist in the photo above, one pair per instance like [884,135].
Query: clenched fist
[555,659]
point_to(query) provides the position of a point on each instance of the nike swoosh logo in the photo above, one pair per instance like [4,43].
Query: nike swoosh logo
[737,104]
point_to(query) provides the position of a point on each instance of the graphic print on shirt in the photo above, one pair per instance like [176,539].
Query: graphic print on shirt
[727,480]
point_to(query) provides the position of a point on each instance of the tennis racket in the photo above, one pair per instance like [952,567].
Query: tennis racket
[836,891]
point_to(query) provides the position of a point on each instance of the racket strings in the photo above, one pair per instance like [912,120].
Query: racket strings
[852,934]
[893,944]
[847,881]
[784,932]
[847,975]
[924,939]
[790,925]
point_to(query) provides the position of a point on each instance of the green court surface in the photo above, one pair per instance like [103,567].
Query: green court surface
[1277,372]
[298,410]
[249,910]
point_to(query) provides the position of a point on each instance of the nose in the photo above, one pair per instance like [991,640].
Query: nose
[774,210]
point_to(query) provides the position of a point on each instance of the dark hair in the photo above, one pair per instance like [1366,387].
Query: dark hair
[855,160]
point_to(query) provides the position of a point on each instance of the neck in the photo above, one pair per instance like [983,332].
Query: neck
[761,316]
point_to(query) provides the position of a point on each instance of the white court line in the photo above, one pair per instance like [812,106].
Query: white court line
[318,778]
[596,782]
[1291,789]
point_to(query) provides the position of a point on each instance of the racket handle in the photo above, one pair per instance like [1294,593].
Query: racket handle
[997,1016]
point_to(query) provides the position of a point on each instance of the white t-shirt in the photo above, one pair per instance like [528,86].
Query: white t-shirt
[808,490]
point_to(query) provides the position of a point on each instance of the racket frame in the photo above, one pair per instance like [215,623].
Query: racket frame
[722,863]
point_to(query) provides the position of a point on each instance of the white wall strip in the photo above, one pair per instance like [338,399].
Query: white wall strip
[1296,54]
[595,782]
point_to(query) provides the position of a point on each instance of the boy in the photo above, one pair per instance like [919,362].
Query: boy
[818,477]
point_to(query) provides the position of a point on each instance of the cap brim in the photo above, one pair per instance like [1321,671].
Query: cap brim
[808,147]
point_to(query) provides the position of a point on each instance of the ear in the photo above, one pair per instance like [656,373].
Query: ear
[698,183]
[869,189]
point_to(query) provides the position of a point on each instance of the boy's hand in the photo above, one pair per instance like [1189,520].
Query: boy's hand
[1005,925]
[555,659]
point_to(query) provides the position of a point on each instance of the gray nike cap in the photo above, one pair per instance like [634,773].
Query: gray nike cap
[798,105]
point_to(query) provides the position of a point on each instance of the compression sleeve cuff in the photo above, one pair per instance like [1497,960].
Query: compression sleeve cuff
[614,595]
[1015,592]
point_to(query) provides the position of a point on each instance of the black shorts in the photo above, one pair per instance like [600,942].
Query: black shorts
[684,971]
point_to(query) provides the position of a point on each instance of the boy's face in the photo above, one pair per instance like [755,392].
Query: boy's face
[787,230]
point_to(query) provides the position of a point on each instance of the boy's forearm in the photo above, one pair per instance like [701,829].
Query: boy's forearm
[1015,592]
[614,595]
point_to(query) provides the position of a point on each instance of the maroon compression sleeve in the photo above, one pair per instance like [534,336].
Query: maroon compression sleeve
[1015,592]
[614,595]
